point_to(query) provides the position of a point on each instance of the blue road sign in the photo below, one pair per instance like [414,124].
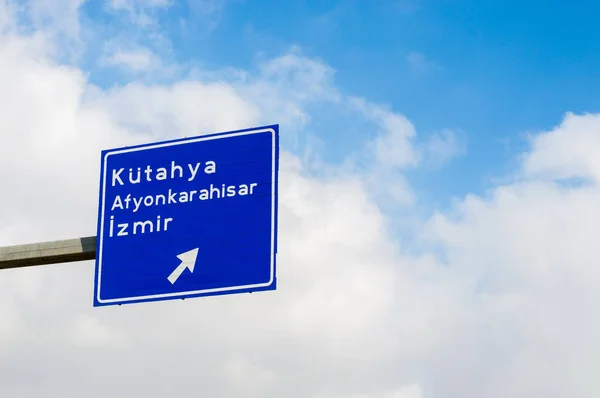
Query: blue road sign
[187,218]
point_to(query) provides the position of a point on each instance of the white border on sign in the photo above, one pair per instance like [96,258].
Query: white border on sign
[194,292]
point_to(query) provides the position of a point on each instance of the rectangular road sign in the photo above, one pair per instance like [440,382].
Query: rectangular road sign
[187,218]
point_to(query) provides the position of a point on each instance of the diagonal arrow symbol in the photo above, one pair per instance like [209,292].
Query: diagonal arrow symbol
[188,260]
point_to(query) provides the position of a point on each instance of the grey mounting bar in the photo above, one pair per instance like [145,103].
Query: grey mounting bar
[60,251]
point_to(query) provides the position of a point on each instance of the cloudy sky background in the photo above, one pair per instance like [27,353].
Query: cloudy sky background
[439,198]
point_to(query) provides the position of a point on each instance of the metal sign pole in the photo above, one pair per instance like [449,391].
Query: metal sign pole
[60,251]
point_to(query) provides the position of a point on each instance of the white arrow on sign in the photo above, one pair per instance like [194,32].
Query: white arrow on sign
[188,260]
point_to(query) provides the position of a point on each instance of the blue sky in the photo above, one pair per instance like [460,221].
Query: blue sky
[492,71]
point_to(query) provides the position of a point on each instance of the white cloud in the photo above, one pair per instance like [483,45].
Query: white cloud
[135,60]
[283,86]
[133,4]
[443,146]
[393,146]
[528,255]
[410,391]
[58,19]
[141,14]
[210,12]
[502,307]
[5,15]
[568,151]
[183,109]
[292,71]
[87,331]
